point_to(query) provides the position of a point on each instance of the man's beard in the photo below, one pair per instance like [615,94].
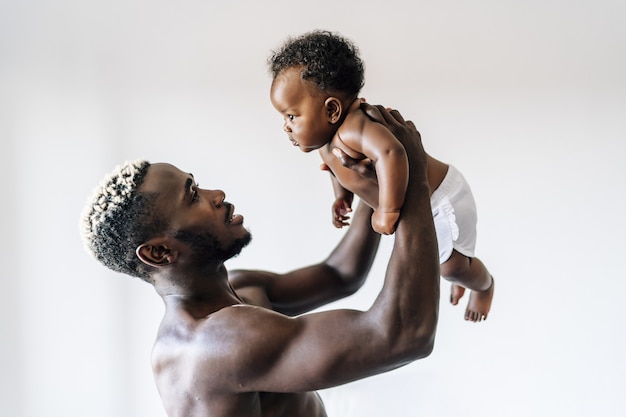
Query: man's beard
[206,248]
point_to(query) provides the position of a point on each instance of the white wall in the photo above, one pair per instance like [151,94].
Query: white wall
[528,99]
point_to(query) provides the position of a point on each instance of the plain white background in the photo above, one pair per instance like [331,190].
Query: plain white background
[528,99]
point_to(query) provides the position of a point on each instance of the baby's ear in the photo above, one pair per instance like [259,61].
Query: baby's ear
[333,109]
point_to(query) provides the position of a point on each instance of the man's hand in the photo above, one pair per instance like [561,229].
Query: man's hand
[363,167]
[404,131]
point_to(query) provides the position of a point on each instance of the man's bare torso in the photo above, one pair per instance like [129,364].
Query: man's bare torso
[190,386]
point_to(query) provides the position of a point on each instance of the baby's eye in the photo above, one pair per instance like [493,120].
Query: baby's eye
[291,117]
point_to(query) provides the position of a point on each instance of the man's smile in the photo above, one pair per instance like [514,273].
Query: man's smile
[230,216]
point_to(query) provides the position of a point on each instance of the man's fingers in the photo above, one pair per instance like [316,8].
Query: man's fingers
[363,167]
[373,112]
[397,116]
[345,161]
[385,115]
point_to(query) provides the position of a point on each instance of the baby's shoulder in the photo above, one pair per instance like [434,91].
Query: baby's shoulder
[354,126]
[356,118]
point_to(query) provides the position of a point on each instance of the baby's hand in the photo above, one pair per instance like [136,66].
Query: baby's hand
[341,208]
[385,222]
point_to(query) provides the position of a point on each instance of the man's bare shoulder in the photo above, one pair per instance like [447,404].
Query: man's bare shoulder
[250,286]
[226,325]
[225,360]
[221,348]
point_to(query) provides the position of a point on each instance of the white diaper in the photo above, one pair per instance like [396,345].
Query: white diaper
[454,215]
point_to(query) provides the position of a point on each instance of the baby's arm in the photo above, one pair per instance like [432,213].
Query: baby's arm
[343,201]
[392,169]
[342,205]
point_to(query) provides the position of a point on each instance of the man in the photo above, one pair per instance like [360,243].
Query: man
[236,344]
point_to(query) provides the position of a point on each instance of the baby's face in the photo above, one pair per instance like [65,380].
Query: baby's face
[305,116]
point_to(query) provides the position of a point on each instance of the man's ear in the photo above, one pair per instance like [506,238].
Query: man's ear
[333,109]
[157,252]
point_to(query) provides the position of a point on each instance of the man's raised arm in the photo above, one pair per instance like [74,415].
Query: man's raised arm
[412,278]
[341,274]
[319,350]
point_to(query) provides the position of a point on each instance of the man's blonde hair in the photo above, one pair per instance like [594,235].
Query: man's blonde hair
[114,220]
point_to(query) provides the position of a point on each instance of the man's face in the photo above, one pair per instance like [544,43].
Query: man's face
[198,217]
[304,113]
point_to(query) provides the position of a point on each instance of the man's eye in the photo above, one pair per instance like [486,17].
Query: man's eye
[194,195]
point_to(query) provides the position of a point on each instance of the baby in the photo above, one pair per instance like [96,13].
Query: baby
[316,79]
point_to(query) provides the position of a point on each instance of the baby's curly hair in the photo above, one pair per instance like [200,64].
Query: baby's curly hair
[118,218]
[328,59]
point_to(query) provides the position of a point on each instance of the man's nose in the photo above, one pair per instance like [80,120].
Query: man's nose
[217,197]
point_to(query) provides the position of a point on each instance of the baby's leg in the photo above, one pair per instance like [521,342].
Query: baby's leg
[470,273]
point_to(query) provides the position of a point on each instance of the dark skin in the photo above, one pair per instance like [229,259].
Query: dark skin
[460,270]
[317,119]
[230,344]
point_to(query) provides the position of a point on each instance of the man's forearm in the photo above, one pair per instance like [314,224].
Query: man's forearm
[407,306]
[355,253]
[411,289]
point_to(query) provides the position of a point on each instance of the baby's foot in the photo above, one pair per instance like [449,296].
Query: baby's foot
[479,304]
[456,292]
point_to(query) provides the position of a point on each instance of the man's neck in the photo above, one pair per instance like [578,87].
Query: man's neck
[200,294]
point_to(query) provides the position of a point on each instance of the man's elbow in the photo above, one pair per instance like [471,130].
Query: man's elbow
[419,348]
[353,283]
[422,341]
[425,346]
[348,282]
